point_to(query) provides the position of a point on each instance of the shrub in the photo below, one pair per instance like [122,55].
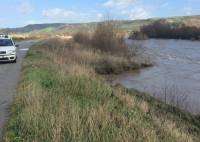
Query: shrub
[105,38]
[82,37]
[138,36]
[168,30]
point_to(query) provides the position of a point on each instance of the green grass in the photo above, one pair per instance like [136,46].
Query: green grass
[46,30]
[60,98]
[17,39]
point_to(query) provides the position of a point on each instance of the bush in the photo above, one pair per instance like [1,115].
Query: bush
[105,38]
[168,30]
[82,37]
[138,36]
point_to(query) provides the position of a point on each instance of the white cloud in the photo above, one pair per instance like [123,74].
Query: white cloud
[64,15]
[57,13]
[100,15]
[188,10]
[25,8]
[131,9]
[119,3]
[139,13]
[31,22]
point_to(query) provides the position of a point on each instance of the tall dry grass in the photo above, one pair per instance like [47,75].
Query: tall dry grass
[106,38]
[116,57]
[102,62]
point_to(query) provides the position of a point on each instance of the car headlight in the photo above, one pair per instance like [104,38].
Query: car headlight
[11,52]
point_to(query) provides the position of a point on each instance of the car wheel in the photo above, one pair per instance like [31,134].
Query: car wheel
[15,61]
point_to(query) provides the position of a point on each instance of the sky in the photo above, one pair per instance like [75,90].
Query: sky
[16,13]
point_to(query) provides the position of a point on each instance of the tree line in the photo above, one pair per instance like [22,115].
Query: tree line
[167,30]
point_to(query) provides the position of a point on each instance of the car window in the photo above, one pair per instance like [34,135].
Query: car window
[6,42]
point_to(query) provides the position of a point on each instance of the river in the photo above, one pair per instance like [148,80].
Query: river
[175,78]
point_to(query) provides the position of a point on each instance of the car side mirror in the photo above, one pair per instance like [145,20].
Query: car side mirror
[17,45]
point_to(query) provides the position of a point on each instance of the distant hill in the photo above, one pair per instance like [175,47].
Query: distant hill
[32,27]
[127,25]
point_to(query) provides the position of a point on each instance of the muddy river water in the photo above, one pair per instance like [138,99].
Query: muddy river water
[175,78]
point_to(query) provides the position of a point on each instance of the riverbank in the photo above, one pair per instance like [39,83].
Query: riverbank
[62,97]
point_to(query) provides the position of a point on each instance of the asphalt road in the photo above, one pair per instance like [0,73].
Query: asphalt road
[9,77]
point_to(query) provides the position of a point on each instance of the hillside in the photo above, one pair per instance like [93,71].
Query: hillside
[32,27]
[128,25]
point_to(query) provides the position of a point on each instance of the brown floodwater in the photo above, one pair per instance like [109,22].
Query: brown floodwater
[175,78]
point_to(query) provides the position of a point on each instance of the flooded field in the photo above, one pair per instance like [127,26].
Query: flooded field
[175,78]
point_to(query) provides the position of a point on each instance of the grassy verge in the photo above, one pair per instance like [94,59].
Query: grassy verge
[19,39]
[61,97]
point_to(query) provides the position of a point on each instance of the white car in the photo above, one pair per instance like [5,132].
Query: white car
[7,49]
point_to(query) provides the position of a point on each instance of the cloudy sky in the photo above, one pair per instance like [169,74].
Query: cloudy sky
[16,13]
